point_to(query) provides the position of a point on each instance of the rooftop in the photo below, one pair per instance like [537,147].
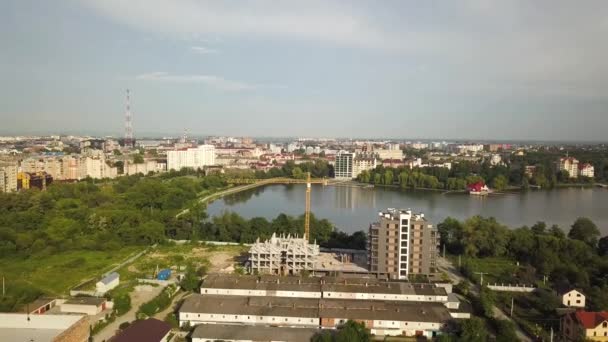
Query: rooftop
[149,330]
[315,308]
[85,301]
[40,328]
[589,319]
[109,278]
[253,333]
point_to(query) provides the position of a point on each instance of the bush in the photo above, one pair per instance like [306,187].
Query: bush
[161,302]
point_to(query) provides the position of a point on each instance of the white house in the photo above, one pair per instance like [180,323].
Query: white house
[573,299]
[108,282]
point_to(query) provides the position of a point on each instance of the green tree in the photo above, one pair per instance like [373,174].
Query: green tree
[298,173]
[473,330]
[191,281]
[602,246]
[500,182]
[353,331]
[584,230]
[138,158]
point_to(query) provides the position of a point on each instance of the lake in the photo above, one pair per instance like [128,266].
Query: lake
[353,208]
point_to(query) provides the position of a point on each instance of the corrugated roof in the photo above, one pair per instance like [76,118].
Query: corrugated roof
[109,278]
[253,333]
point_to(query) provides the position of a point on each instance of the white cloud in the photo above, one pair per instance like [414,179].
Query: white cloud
[204,50]
[208,80]
[308,20]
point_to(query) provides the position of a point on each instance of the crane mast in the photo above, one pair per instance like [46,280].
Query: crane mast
[307,211]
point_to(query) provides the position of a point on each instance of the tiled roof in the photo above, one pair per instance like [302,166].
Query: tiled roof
[590,320]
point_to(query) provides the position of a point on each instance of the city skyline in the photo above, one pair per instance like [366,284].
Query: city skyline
[477,70]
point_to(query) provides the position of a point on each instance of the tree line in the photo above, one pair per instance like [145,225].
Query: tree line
[574,260]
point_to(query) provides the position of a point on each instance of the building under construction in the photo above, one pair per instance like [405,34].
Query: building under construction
[282,255]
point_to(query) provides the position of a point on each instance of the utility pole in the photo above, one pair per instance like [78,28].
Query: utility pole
[545,277]
[459,263]
[512,306]
[551,340]
[444,250]
[481,274]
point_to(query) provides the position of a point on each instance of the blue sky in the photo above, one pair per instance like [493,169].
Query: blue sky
[405,69]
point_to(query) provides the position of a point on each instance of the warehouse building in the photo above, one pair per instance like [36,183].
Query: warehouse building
[43,328]
[321,287]
[251,333]
[381,317]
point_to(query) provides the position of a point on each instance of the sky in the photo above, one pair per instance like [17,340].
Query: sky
[469,69]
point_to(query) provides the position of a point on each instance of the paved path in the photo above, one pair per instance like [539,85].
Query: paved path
[456,277]
[145,294]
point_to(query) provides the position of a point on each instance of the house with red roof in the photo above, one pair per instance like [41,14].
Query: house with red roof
[585,325]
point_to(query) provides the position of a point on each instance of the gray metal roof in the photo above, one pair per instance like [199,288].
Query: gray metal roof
[109,278]
[253,333]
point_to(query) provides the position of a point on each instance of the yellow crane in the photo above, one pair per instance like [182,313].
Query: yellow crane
[307,210]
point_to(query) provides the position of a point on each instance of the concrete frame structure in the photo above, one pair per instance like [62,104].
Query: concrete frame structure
[282,255]
[402,243]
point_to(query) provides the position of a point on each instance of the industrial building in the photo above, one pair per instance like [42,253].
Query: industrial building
[282,255]
[251,333]
[85,305]
[381,317]
[402,243]
[321,287]
[43,328]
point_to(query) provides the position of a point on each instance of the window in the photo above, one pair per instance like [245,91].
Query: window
[273,318]
[235,316]
[605,325]
[205,291]
[285,319]
[199,315]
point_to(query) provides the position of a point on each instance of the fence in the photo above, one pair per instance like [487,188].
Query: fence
[511,288]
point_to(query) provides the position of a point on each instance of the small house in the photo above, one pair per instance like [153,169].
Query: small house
[573,299]
[108,282]
[585,326]
[85,305]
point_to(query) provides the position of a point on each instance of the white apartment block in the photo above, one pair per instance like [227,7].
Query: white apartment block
[8,177]
[146,167]
[570,165]
[199,157]
[361,164]
[389,154]
[586,170]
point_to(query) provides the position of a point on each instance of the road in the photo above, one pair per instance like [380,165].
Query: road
[456,277]
[139,296]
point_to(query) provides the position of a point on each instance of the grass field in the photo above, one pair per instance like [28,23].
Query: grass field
[54,275]
[496,270]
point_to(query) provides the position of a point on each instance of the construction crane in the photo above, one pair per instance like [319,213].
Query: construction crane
[307,210]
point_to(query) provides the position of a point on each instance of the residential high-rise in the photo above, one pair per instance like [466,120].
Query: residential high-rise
[8,177]
[402,243]
[569,164]
[199,157]
[343,169]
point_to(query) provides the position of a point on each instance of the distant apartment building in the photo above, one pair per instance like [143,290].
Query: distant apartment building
[586,170]
[8,177]
[389,154]
[585,326]
[570,165]
[131,168]
[196,158]
[402,243]
[343,168]
[282,255]
[39,180]
[362,163]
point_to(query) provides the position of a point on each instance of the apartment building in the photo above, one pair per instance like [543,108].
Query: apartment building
[282,255]
[8,177]
[569,164]
[586,170]
[343,167]
[402,243]
[199,157]
[362,163]
[144,168]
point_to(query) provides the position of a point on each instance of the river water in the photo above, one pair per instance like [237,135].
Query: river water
[353,208]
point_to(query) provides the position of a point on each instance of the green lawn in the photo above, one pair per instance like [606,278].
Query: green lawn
[497,270]
[54,275]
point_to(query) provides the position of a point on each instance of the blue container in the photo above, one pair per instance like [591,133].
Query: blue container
[164,274]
